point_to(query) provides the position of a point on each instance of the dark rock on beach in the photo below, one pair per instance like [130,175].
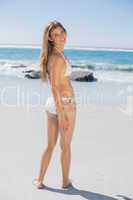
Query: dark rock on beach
[33,74]
[88,78]
[82,74]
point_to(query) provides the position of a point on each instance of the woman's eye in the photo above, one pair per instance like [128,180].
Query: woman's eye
[56,35]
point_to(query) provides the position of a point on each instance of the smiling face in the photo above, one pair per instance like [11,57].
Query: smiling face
[58,36]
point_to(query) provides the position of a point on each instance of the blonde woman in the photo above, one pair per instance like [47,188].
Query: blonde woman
[60,106]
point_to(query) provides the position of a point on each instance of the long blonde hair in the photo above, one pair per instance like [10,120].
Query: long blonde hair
[47,47]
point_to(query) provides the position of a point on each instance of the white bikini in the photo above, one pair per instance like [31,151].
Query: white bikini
[50,102]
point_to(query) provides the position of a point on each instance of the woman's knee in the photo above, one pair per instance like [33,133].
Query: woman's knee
[50,147]
[65,146]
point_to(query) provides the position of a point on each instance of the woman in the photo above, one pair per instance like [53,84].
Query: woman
[60,106]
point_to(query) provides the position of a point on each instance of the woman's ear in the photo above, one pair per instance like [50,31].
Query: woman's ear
[50,39]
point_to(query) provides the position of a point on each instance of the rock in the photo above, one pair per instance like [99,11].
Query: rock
[33,75]
[82,74]
[87,78]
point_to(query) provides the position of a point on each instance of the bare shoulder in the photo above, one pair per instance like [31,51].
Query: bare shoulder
[56,59]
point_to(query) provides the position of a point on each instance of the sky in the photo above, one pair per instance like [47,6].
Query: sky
[91,23]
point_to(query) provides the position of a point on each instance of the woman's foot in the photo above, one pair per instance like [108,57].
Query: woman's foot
[38,184]
[68,185]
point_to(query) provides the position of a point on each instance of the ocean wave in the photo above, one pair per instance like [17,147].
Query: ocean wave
[102,71]
[103,66]
[83,64]
[16,68]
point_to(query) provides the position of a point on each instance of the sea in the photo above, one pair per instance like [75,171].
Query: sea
[107,64]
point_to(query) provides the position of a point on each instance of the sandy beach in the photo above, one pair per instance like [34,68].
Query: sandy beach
[102,147]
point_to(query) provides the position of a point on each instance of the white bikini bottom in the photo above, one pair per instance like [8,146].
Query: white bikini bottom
[50,103]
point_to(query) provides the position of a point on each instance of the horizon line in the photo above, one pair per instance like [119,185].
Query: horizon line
[82,47]
[30,44]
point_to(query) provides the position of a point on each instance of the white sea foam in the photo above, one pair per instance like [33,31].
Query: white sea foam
[16,68]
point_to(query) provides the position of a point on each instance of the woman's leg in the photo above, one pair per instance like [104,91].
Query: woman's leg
[52,139]
[65,143]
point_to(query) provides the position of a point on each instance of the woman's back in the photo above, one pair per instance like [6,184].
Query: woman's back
[62,75]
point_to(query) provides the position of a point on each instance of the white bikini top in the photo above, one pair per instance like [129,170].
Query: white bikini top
[68,70]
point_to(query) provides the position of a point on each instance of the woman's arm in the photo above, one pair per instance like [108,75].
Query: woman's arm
[57,72]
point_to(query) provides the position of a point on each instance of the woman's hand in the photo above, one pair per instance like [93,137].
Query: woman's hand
[63,120]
